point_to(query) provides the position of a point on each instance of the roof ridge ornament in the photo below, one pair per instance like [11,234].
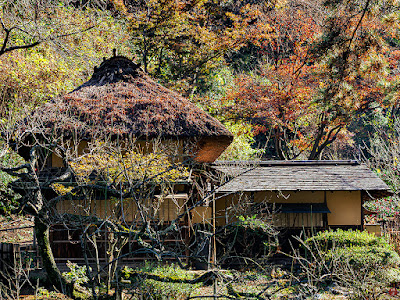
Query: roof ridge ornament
[116,68]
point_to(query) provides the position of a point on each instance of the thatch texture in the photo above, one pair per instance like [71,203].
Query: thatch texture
[121,100]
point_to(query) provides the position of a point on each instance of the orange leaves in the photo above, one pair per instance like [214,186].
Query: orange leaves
[180,42]
[119,5]
[270,101]
[314,78]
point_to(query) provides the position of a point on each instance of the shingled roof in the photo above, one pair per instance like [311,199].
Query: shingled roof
[298,176]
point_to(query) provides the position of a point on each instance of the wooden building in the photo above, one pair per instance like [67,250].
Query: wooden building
[122,106]
[300,194]
[120,103]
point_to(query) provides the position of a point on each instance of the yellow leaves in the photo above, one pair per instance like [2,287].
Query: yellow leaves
[280,4]
[116,167]
[61,189]
[37,74]
[240,148]
[178,39]
[120,6]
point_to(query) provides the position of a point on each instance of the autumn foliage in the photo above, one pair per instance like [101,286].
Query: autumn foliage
[180,42]
[321,68]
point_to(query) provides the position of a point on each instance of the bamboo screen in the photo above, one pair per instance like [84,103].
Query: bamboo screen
[298,220]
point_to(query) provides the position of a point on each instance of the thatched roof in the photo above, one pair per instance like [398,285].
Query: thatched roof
[120,99]
[299,176]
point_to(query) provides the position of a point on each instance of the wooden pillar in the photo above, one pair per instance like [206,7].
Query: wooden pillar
[325,215]
[362,210]
[214,242]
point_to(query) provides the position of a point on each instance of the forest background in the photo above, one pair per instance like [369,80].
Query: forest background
[290,79]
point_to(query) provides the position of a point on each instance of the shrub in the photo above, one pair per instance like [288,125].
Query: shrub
[76,274]
[166,290]
[360,256]
[159,289]
[385,207]
[341,238]
[237,240]
[354,247]
[359,261]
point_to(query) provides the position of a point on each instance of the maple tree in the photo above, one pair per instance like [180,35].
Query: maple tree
[321,69]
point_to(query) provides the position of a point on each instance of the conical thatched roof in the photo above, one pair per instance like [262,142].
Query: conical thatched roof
[120,99]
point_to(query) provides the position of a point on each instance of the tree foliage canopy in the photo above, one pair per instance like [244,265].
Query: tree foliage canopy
[323,66]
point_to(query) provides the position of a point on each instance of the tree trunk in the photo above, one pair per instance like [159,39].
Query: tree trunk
[53,273]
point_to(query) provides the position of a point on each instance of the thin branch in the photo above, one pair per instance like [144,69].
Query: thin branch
[6,49]
[359,23]
[328,139]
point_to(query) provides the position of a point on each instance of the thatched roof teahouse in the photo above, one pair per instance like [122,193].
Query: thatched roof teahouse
[121,100]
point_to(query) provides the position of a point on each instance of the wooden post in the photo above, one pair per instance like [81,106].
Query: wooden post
[1,259]
[325,215]
[362,210]
[118,290]
[35,249]
[214,241]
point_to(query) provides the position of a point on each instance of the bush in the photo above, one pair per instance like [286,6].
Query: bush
[237,240]
[162,270]
[150,288]
[341,238]
[76,274]
[354,247]
[360,256]
[166,290]
[360,262]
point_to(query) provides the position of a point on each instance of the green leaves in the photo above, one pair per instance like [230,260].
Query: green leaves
[33,76]
[180,42]
[346,238]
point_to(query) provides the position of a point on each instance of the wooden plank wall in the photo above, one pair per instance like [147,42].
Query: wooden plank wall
[6,257]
